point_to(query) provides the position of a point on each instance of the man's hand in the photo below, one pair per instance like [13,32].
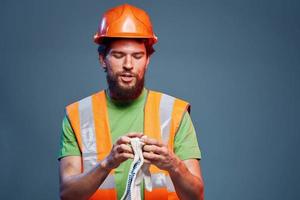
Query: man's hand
[121,150]
[77,185]
[157,153]
[185,175]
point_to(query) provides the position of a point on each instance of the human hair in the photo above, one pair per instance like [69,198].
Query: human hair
[106,42]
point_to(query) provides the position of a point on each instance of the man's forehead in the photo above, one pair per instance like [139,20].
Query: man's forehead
[130,45]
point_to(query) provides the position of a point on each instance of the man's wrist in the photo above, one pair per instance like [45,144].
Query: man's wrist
[176,166]
[105,165]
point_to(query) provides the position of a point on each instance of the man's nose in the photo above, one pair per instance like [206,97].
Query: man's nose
[128,63]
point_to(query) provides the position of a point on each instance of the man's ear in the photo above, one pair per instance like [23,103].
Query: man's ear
[147,61]
[102,62]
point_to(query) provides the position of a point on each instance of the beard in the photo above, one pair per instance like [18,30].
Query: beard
[124,92]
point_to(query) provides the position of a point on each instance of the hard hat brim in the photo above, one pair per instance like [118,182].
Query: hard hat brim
[98,39]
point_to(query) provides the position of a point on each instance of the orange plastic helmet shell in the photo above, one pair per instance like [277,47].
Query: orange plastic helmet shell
[125,21]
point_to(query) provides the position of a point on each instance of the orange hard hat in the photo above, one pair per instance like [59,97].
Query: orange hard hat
[125,21]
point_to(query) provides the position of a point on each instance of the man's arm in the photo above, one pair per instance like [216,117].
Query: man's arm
[187,180]
[77,185]
[185,175]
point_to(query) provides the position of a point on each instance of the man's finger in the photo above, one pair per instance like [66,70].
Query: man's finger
[154,149]
[147,161]
[151,141]
[152,157]
[124,148]
[127,155]
[123,140]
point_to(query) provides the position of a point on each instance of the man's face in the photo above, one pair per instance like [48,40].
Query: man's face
[126,63]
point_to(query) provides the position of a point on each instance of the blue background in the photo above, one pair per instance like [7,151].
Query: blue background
[237,62]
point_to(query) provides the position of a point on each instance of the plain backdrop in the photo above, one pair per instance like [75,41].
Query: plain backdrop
[237,62]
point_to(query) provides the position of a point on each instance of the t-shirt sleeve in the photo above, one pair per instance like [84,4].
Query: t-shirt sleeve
[185,143]
[68,142]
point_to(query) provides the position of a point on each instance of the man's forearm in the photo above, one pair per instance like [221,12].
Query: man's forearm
[83,186]
[187,185]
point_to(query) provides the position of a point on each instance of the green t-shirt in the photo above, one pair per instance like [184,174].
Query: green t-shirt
[129,117]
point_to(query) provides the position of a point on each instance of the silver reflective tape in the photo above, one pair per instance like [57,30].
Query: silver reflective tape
[87,128]
[170,186]
[89,161]
[165,112]
[88,154]
[108,183]
[158,180]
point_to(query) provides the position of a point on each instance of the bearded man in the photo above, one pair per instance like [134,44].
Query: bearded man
[96,155]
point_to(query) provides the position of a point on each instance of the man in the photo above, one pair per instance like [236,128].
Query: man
[95,153]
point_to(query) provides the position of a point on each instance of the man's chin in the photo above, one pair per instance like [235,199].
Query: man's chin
[125,90]
[127,87]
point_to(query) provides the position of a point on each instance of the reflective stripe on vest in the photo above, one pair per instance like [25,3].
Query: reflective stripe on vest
[163,114]
[89,120]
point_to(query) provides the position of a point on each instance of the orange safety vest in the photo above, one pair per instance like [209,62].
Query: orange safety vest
[90,123]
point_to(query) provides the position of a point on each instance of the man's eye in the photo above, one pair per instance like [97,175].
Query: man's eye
[117,55]
[138,56]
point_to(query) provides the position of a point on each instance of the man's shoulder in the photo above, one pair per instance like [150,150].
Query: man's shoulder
[84,100]
[168,96]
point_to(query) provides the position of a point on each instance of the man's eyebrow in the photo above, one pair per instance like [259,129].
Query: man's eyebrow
[122,52]
[115,51]
[139,52]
